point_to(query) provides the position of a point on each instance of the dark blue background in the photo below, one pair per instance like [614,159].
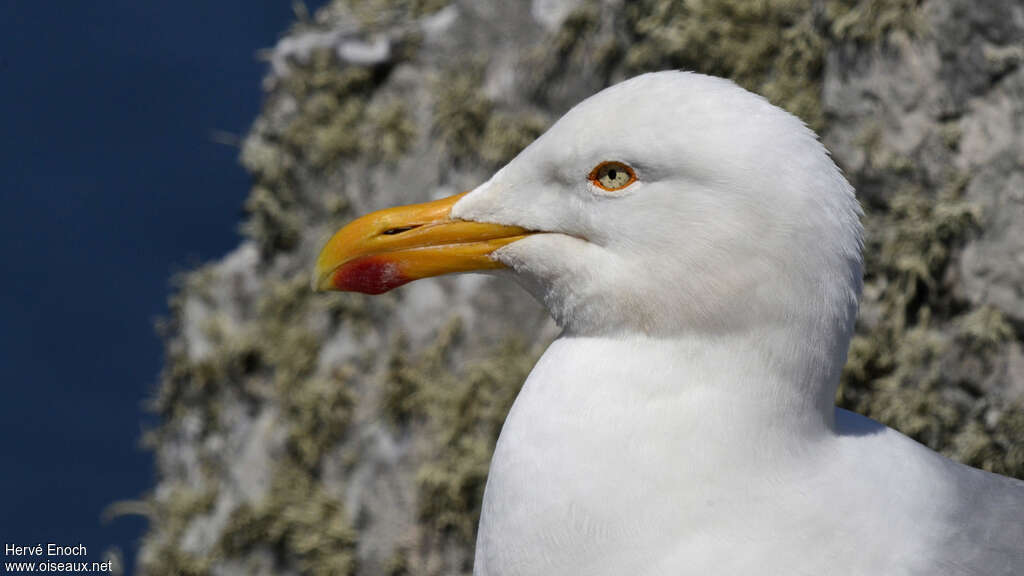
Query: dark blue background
[110,182]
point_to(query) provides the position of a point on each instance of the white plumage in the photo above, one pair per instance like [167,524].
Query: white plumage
[684,421]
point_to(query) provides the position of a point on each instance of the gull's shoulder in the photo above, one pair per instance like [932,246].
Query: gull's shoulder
[972,520]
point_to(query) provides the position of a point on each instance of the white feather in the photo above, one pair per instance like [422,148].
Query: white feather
[684,421]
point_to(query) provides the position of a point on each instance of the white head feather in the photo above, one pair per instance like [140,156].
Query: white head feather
[739,222]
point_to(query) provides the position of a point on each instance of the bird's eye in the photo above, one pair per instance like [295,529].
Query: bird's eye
[612,176]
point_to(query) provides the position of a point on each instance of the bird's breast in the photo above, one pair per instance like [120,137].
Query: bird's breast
[596,470]
[623,457]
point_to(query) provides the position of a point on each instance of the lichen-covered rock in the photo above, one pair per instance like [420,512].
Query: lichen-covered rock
[342,434]
[937,354]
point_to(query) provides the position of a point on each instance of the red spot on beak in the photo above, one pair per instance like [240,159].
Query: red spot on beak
[369,275]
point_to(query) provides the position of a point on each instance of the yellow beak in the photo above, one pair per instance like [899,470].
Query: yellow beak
[391,247]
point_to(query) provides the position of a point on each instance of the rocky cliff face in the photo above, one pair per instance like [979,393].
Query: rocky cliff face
[343,434]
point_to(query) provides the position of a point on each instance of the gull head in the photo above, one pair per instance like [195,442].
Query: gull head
[670,204]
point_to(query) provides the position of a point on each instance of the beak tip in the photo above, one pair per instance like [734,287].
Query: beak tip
[320,281]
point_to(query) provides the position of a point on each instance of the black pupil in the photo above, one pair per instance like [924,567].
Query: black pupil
[613,174]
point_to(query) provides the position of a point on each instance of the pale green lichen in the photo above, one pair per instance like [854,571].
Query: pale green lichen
[171,515]
[318,412]
[271,359]
[291,347]
[461,111]
[897,369]
[984,329]
[194,385]
[568,44]
[391,132]
[903,388]
[329,104]
[473,129]
[772,47]
[375,14]
[1001,60]
[872,21]
[459,412]
[869,141]
[333,117]
[315,410]
[398,398]
[582,46]
[272,221]
[950,133]
[993,446]
[266,161]
[910,245]
[399,564]
[330,101]
[301,523]
[506,134]
[297,519]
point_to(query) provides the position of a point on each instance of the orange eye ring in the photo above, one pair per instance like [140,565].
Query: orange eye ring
[612,176]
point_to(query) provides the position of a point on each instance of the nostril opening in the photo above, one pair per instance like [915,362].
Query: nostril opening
[399,230]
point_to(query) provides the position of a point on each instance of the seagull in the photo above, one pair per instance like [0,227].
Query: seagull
[701,253]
